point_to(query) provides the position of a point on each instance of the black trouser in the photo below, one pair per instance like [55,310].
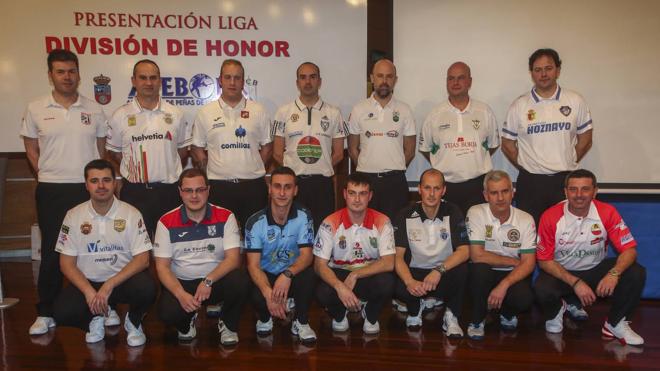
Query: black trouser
[243,198]
[376,290]
[535,193]
[232,289]
[550,290]
[390,192]
[301,290]
[316,193]
[53,201]
[450,289]
[466,194]
[153,200]
[139,292]
[483,279]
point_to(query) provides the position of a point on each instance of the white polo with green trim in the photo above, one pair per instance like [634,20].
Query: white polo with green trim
[512,238]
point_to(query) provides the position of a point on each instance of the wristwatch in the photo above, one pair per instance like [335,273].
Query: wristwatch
[614,272]
[287,273]
[440,268]
[207,282]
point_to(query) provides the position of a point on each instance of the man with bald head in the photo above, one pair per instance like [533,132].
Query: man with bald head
[458,137]
[382,140]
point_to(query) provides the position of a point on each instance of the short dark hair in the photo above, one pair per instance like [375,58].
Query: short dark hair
[231,61]
[145,61]
[285,170]
[192,173]
[99,164]
[547,52]
[358,178]
[580,173]
[318,70]
[432,171]
[61,55]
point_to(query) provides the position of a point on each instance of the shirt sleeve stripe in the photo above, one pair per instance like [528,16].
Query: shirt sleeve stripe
[509,132]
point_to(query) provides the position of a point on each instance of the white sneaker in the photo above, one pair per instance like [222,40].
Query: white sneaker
[508,324]
[112,319]
[304,332]
[290,305]
[96,330]
[265,328]
[399,306]
[577,313]
[340,326]
[431,303]
[476,331]
[623,333]
[415,321]
[192,330]
[227,336]
[556,325]
[41,325]
[450,325]
[135,336]
[368,327]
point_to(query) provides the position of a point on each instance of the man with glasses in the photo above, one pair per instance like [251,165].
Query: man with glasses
[198,259]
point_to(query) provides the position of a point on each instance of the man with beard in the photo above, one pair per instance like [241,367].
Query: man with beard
[382,140]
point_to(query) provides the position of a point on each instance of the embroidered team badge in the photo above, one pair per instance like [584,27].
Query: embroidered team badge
[85,118]
[513,235]
[245,114]
[168,118]
[595,230]
[294,117]
[444,234]
[476,124]
[211,230]
[373,241]
[342,242]
[489,231]
[531,115]
[86,228]
[270,235]
[565,110]
[120,225]
[325,123]
[395,116]
[132,121]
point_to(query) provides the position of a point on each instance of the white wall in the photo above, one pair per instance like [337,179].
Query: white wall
[610,50]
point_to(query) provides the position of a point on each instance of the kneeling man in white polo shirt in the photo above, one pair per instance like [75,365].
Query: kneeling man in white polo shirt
[502,249]
[104,253]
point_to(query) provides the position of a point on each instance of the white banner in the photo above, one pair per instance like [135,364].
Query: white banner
[189,41]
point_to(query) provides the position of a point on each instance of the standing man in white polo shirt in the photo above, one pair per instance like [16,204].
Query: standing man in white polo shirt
[62,132]
[232,141]
[354,251]
[546,133]
[458,137]
[502,249]
[149,138]
[382,140]
[309,138]
[104,253]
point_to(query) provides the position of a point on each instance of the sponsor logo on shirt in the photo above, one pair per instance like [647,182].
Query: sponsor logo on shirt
[240,134]
[543,127]
[110,259]
[626,238]
[154,136]
[97,247]
[393,134]
[210,247]
[309,150]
